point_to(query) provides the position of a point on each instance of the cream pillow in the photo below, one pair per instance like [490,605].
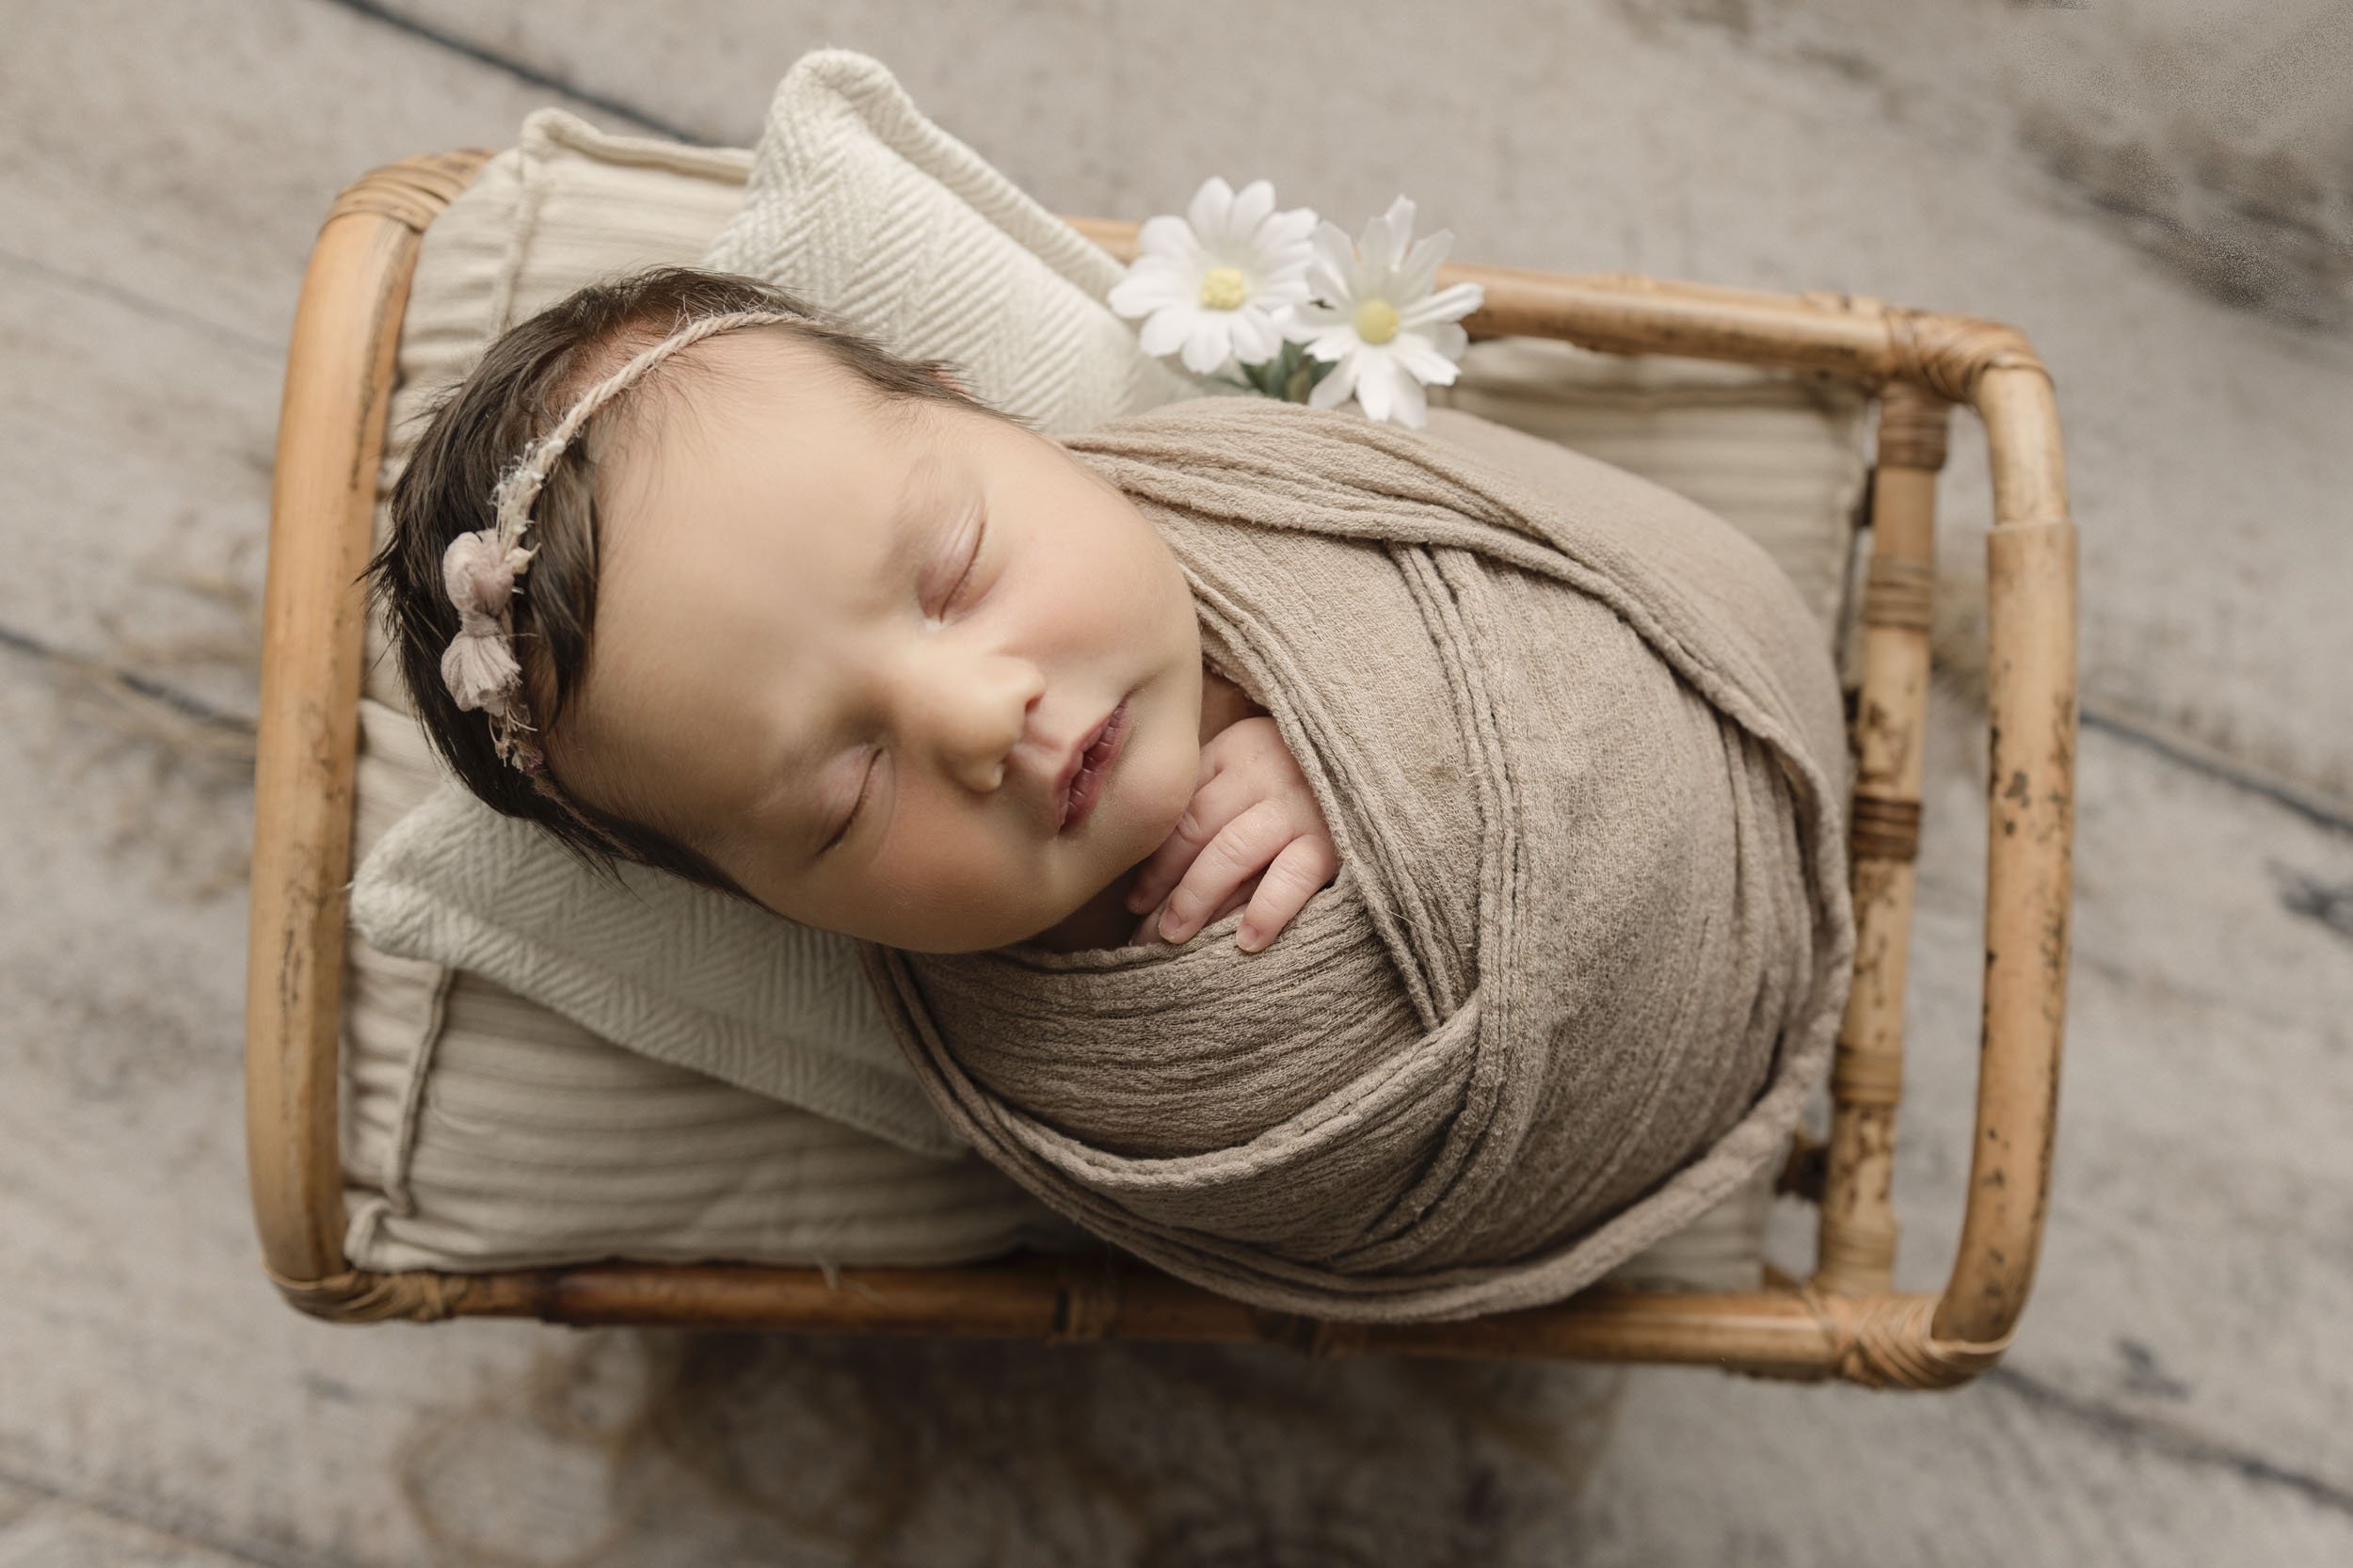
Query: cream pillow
[862,206]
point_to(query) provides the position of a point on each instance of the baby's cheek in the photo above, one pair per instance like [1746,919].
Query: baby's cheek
[945,902]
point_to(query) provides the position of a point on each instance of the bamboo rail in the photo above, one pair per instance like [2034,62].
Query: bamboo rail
[339,380]
[1845,1323]
[1858,1223]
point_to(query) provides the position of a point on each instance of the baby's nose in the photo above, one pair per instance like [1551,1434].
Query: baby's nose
[985,717]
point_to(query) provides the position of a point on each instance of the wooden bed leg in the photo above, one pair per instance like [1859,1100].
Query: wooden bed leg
[1858,1223]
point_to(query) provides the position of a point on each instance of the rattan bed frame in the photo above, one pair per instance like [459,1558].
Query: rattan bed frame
[1844,1321]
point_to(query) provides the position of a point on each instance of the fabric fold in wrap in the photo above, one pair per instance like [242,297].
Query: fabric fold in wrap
[1581,749]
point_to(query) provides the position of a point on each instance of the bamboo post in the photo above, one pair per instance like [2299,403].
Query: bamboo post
[339,378]
[1858,1219]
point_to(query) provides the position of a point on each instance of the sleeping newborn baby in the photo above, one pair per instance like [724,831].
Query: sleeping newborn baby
[1539,769]
[804,622]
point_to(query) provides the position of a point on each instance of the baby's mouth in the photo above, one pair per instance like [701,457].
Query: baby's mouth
[1095,765]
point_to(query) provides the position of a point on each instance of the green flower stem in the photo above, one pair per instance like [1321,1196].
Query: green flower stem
[1290,375]
[1303,377]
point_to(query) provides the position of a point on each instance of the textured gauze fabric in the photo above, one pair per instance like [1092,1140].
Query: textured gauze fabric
[1581,750]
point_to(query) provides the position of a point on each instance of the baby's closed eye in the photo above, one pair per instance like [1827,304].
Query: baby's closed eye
[967,583]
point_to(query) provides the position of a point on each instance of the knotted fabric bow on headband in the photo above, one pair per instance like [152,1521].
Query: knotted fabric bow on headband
[478,569]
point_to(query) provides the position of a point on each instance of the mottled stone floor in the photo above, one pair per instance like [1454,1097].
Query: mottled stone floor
[2163,207]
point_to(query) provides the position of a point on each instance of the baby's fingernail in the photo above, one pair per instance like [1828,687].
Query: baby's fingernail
[1248,941]
[1169,924]
[1138,899]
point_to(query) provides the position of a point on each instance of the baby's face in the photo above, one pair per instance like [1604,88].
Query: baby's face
[812,613]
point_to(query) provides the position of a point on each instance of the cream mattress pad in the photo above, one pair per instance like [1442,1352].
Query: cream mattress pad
[486,1129]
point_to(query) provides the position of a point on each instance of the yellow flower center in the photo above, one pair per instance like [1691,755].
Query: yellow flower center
[1376,321]
[1223,288]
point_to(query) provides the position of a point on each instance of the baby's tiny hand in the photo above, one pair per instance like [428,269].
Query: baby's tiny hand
[1252,815]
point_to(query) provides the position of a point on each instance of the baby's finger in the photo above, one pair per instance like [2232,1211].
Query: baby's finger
[1147,930]
[1298,873]
[1213,806]
[1239,897]
[1235,855]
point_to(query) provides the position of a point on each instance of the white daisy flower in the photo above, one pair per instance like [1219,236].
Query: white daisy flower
[1216,282]
[1375,315]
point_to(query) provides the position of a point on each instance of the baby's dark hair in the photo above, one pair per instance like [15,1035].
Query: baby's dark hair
[525,382]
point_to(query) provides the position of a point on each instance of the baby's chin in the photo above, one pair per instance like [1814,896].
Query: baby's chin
[1159,789]
[1081,920]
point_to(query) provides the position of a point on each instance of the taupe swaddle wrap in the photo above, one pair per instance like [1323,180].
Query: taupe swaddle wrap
[1581,751]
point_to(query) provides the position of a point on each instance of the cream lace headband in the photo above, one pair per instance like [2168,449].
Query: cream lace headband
[479,569]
